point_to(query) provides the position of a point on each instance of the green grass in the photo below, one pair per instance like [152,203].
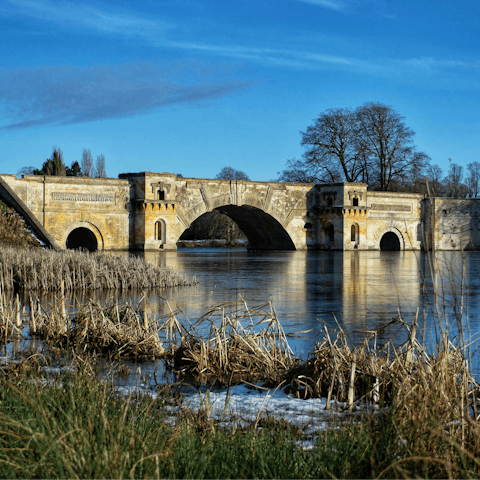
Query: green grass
[79,428]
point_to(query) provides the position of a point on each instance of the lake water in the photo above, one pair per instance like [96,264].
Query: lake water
[363,291]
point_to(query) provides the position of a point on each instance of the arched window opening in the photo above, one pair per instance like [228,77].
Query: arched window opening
[330,234]
[330,201]
[82,239]
[355,202]
[390,242]
[353,235]
[308,226]
[160,232]
[161,194]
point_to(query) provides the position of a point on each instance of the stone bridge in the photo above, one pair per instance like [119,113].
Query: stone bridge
[150,211]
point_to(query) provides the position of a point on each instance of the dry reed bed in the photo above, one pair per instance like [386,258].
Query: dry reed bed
[47,270]
[345,373]
[116,331]
[233,343]
[237,344]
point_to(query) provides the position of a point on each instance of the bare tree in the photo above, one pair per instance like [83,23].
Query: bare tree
[100,171]
[299,171]
[26,171]
[331,145]
[388,144]
[473,179]
[454,186]
[88,169]
[435,180]
[229,173]
[370,144]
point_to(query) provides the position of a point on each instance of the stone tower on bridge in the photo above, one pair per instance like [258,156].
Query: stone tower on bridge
[150,211]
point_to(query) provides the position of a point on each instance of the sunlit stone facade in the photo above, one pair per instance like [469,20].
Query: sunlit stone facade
[150,211]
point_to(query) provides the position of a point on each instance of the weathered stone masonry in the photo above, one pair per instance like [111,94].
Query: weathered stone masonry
[150,211]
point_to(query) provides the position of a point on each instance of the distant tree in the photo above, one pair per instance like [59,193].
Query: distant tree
[88,169]
[100,171]
[370,144]
[454,186]
[298,171]
[54,165]
[435,180]
[74,170]
[26,171]
[473,179]
[229,173]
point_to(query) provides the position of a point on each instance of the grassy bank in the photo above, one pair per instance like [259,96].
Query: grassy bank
[47,270]
[13,230]
[75,426]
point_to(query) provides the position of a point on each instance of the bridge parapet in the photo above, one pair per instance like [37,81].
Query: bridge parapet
[150,211]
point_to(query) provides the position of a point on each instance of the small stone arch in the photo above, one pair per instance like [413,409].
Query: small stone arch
[80,235]
[388,241]
[160,232]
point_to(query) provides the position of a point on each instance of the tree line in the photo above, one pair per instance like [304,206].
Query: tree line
[372,144]
[55,166]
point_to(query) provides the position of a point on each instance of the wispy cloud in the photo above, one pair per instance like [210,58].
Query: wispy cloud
[337,5]
[163,34]
[66,94]
[430,63]
[86,16]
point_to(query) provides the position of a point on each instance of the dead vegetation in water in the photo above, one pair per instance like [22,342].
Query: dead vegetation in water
[349,374]
[234,343]
[48,270]
[115,331]
[239,344]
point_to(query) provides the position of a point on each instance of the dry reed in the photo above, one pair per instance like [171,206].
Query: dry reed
[116,331]
[47,270]
[232,348]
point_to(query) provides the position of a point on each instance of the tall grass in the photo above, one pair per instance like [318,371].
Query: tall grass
[47,270]
[75,426]
[78,428]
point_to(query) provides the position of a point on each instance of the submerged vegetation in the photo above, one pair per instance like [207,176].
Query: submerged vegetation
[48,270]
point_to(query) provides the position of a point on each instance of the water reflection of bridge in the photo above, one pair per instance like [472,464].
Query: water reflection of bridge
[364,290]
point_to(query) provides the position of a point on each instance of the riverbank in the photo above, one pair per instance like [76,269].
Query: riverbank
[66,422]
[212,243]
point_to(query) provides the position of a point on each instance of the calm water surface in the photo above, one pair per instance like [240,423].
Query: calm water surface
[364,291]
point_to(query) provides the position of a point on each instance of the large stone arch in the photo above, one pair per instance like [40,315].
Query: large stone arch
[263,230]
[89,226]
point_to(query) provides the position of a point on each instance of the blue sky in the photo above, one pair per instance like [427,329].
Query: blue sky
[187,86]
